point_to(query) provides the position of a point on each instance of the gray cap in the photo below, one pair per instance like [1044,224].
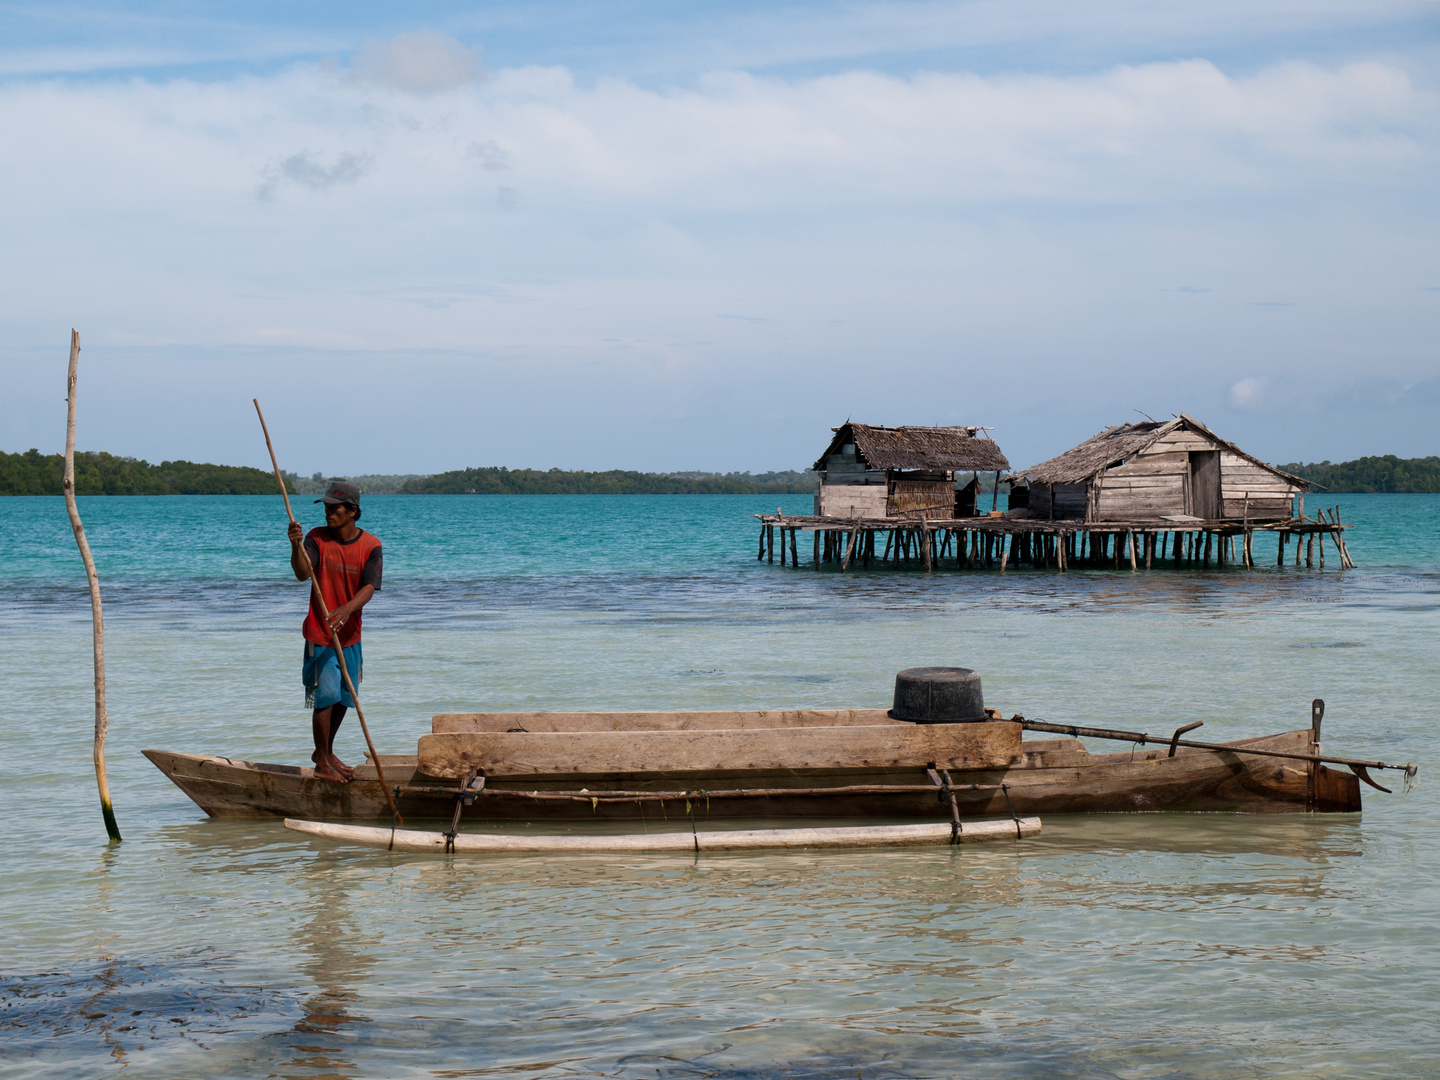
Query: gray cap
[340,491]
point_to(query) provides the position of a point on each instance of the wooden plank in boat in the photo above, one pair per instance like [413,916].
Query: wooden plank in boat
[447,723]
[949,746]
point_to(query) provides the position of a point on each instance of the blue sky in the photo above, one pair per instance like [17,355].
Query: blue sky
[672,236]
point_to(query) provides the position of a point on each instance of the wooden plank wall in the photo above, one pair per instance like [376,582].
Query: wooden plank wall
[1071,501]
[1149,485]
[851,500]
[1269,494]
[1156,482]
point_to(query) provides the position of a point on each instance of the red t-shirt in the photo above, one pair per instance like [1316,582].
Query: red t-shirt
[341,568]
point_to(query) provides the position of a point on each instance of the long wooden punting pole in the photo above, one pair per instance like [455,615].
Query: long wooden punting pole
[1355,764]
[325,614]
[102,718]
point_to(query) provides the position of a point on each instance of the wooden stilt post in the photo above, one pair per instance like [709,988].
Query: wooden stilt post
[1338,535]
[760,556]
[794,554]
[92,576]
[816,544]
[850,548]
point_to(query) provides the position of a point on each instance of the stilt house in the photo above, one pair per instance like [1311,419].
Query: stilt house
[1175,470]
[871,472]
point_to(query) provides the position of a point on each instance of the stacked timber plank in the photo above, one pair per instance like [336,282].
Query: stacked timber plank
[460,746]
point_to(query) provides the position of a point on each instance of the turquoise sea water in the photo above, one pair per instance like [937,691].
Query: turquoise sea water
[1120,946]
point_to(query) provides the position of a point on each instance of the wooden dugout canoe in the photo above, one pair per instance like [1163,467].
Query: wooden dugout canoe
[817,764]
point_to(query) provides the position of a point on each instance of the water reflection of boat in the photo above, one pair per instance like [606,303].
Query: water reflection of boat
[835,764]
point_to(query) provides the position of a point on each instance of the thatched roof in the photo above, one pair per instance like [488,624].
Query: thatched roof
[1113,445]
[928,449]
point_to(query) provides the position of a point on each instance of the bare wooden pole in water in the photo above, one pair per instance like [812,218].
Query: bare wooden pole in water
[325,614]
[97,616]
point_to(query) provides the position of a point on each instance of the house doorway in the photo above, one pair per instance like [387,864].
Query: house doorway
[1205,484]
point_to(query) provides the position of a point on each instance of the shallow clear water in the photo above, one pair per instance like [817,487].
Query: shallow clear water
[1122,946]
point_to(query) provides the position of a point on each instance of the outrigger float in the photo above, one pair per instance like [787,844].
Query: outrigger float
[939,756]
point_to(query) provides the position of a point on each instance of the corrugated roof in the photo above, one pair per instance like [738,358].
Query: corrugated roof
[928,449]
[1115,444]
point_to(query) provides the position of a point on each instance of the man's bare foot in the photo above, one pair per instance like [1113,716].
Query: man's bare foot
[325,768]
[340,767]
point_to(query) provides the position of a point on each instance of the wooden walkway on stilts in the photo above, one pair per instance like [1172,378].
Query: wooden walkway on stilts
[1000,543]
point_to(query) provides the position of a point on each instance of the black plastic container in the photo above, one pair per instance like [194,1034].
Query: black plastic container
[938,695]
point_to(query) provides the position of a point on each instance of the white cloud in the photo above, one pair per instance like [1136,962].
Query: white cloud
[1247,394]
[980,234]
[1161,134]
[423,62]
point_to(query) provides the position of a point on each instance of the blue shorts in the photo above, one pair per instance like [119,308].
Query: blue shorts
[321,675]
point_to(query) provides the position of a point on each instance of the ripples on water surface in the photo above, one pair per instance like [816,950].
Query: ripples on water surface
[1126,946]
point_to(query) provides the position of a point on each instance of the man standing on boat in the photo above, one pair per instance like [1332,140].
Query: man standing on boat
[347,562]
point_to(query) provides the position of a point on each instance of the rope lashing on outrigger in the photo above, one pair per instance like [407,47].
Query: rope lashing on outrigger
[1356,765]
[1005,790]
[947,794]
[470,787]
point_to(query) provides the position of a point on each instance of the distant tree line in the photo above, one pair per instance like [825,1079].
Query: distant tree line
[1368,474]
[369,483]
[34,473]
[498,480]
